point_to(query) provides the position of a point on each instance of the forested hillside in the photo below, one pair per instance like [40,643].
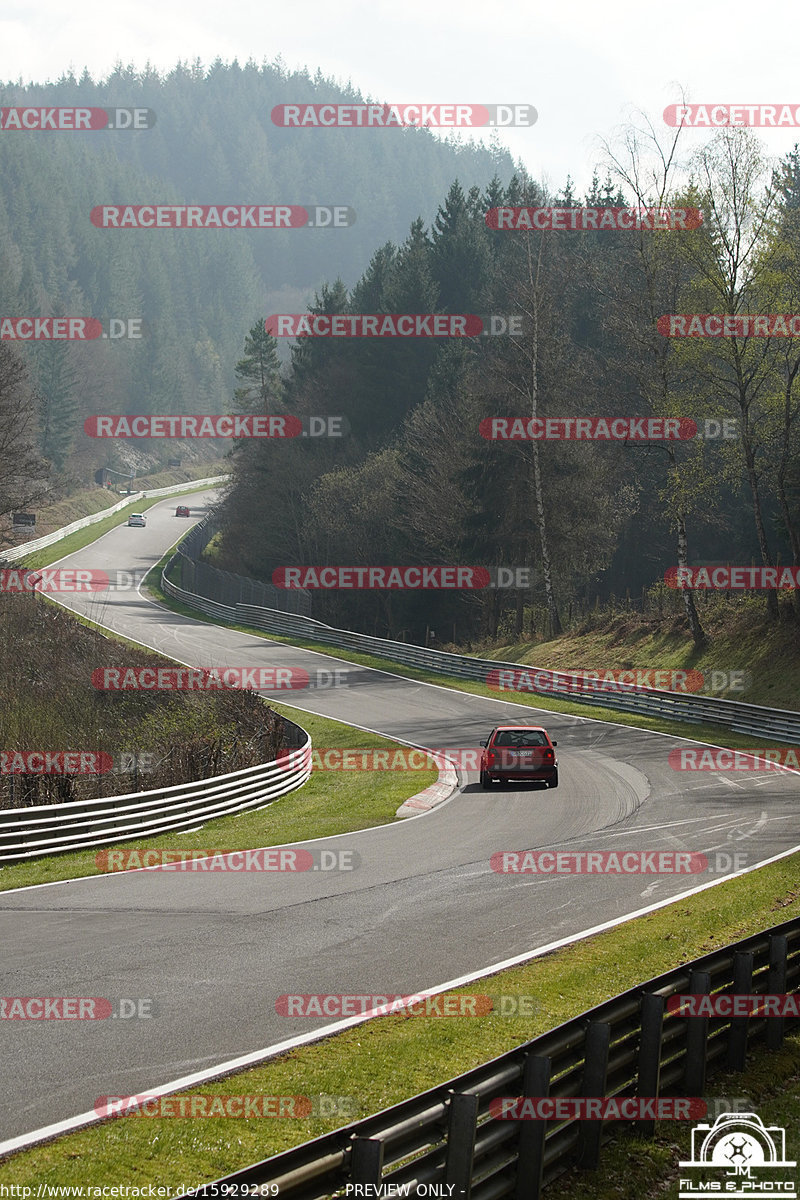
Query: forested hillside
[196,291]
[414,481]
[417,483]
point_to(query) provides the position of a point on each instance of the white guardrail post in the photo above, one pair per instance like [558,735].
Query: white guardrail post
[16,552]
[37,830]
[28,833]
[779,725]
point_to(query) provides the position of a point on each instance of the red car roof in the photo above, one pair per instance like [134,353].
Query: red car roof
[540,728]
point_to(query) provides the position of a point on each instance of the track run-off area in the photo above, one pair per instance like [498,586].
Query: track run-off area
[215,950]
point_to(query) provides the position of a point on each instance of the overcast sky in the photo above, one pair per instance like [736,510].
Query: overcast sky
[585,65]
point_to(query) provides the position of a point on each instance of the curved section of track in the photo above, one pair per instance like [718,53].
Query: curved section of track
[214,951]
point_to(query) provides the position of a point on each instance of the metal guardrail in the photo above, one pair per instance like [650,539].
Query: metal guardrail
[43,829]
[28,833]
[776,724]
[225,587]
[628,1046]
[16,552]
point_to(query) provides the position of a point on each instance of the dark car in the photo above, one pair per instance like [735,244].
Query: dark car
[182,511]
[519,752]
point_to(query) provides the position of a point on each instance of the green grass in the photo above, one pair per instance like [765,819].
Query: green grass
[84,537]
[738,639]
[364,1063]
[331,802]
[633,1167]
[716,735]
[85,502]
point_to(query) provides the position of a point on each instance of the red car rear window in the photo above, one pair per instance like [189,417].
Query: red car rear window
[520,738]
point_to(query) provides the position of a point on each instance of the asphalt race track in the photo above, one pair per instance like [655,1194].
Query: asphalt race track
[214,951]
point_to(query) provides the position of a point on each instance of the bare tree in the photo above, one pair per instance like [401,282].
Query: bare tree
[736,266]
[649,169]
[519,372]
[23,472]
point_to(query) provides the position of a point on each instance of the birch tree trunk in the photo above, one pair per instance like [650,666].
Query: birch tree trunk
[541,518]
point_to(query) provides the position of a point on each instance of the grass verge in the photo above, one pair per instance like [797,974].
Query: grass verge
[738,639]
[89,500]
[717,735]
[332,802]
[364,1063]
[84,537]
[632,1167]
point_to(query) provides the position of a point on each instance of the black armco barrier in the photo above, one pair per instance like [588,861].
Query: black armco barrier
[631,1043]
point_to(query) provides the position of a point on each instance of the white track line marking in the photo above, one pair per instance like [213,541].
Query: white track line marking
[48,1132]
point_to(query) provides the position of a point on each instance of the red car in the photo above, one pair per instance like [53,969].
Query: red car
[519,752]
[182,511]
